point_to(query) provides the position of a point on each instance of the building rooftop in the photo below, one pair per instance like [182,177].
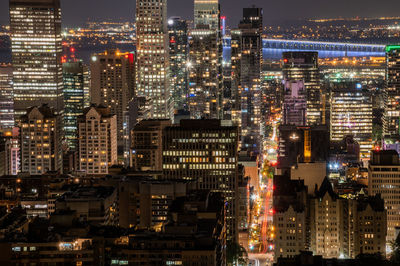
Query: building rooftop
[88,193]
[385,157]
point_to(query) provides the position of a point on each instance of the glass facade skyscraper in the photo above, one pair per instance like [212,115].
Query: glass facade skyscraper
[392,90]
[36,54]
[207,14]
[178,57]
[205,61]
[76,90]
[152,56]
[250,83]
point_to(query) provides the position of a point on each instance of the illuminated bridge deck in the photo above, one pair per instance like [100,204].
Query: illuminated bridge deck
[273,48]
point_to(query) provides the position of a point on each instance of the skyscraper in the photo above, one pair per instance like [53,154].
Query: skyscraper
[392,91]
[6,98]
[304,66]
[204,74]
[294,104]
[250,84]
[152,56]
[35,27]
[236,55]
[76,90]
[383,179]
[97,140]
[205,152]
[207,14]
[205,59]
[351,114]
[113,84]
[178,56]
[41,140]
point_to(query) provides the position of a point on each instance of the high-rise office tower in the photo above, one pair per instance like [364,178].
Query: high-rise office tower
[227,76]
[97,140]
[294,107]
[236,55]
[206,152]
[383,179]
[36,54]
[205,59]
[113,84]
[304,66]
[6,98]
[204,74]
[178,57]
[392,90]
[207,14]
[351,114]
[250,84]
[76,93]
[41,140]
[152,56]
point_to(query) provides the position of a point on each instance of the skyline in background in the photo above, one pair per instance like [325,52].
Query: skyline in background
[76,12]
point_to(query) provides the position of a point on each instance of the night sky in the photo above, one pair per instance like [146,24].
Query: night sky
[77,11]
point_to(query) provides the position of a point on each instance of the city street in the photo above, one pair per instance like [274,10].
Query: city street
[261,245]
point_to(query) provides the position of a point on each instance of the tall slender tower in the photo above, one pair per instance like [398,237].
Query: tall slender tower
[36,54]
[392,90]
[178,56]
[76,83]
[205,58]
[152,56]
[6,98]
[250,83]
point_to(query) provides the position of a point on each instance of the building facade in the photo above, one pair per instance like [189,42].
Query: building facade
[152,56]
[205,81]
[205,61]
[207,14]
[304,66]
[392,90]
[147,202]
[36,54]
[97,140]
[178,60]
[41,149]
[6,97]
[10,149]
[351,114]
[345,228]
[147,145]
[206,153]
[294,110]
[113,84]
[76,93]
[302,145]
[250,83]
[383,178]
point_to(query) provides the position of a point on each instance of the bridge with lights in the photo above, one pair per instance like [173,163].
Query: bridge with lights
[346,49]
[273,48]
